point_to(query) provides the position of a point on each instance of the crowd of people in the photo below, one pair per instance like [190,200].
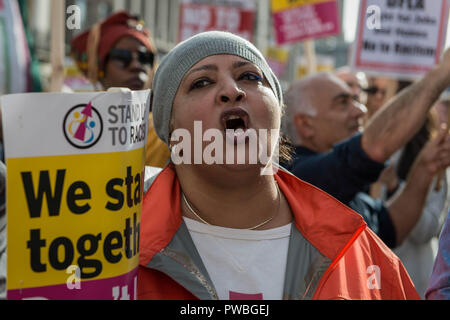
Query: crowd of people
[358,188]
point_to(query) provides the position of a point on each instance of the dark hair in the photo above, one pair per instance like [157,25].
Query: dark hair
[403,84]
[413,148]
[286,150]
[415,145]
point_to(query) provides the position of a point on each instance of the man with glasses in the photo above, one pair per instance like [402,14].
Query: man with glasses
[356,81]
[119,53]
[378,91]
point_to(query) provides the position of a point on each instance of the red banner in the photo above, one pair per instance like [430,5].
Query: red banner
[196,18]
[309,21]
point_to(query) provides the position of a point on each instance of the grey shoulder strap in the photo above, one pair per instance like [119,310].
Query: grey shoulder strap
[181,261]
[304,269]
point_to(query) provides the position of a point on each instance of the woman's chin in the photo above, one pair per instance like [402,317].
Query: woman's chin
[241,168]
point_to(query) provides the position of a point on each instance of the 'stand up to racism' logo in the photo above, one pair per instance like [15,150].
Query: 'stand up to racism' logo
[83,126]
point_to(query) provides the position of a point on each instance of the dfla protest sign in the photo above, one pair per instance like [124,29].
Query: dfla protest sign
[74,191]
[400,38]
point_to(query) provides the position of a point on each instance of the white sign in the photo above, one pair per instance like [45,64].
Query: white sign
[50,123]
[74,193]
[399,38]
[233,16]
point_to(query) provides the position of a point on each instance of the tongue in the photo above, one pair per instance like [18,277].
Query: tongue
[236,124]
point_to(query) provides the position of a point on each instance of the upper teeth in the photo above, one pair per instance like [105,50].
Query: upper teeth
[233,118]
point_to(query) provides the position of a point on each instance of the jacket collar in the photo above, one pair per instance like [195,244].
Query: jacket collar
[304,151]
[315,215]
[324,221]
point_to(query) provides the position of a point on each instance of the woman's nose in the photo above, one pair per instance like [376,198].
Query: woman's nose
[230,92]
[135,62]
[226,99]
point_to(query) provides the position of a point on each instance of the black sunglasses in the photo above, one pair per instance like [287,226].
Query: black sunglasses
[126,56]
[374,90]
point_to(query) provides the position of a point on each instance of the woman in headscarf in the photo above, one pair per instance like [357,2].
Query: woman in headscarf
[226,229]
[119,53]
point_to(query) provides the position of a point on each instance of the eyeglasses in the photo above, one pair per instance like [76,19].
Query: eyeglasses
[126,56]
[374,90]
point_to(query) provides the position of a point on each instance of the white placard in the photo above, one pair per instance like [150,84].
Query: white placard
[404,39]
[49,124]
[74,181]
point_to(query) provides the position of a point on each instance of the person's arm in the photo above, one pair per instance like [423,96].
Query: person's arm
[430,223]
[407,205]
[342,172]
[403,116]
[439,286]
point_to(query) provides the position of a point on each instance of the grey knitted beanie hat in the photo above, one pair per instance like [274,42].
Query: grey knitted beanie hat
[188,53]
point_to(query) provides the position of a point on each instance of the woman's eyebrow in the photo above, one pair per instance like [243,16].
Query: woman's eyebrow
[239,64]
[202,68]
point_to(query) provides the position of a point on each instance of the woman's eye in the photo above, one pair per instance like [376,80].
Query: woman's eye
[251,76]
[200,84]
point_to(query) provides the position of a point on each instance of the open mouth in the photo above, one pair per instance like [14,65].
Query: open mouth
[135,84]
[236,119]
[355,128]
[236,125]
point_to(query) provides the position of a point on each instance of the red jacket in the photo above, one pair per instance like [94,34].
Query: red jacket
[346,259]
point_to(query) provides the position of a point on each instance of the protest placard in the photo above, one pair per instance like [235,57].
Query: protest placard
[74,191]
[278,59]
[324,63]
[402,39]
[235,16]
[298,20]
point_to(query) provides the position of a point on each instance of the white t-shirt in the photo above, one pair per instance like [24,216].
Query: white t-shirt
[243,264]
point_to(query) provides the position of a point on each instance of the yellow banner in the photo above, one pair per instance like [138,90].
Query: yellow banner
[277,54]
[281,5]
[96,198]
[302,70]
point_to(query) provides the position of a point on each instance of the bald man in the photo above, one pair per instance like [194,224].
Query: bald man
[357,81]
[323,121]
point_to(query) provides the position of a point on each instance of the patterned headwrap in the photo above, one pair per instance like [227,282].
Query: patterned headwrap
[90,48]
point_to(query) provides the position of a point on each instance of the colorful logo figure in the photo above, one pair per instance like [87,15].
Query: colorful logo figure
[83,126]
